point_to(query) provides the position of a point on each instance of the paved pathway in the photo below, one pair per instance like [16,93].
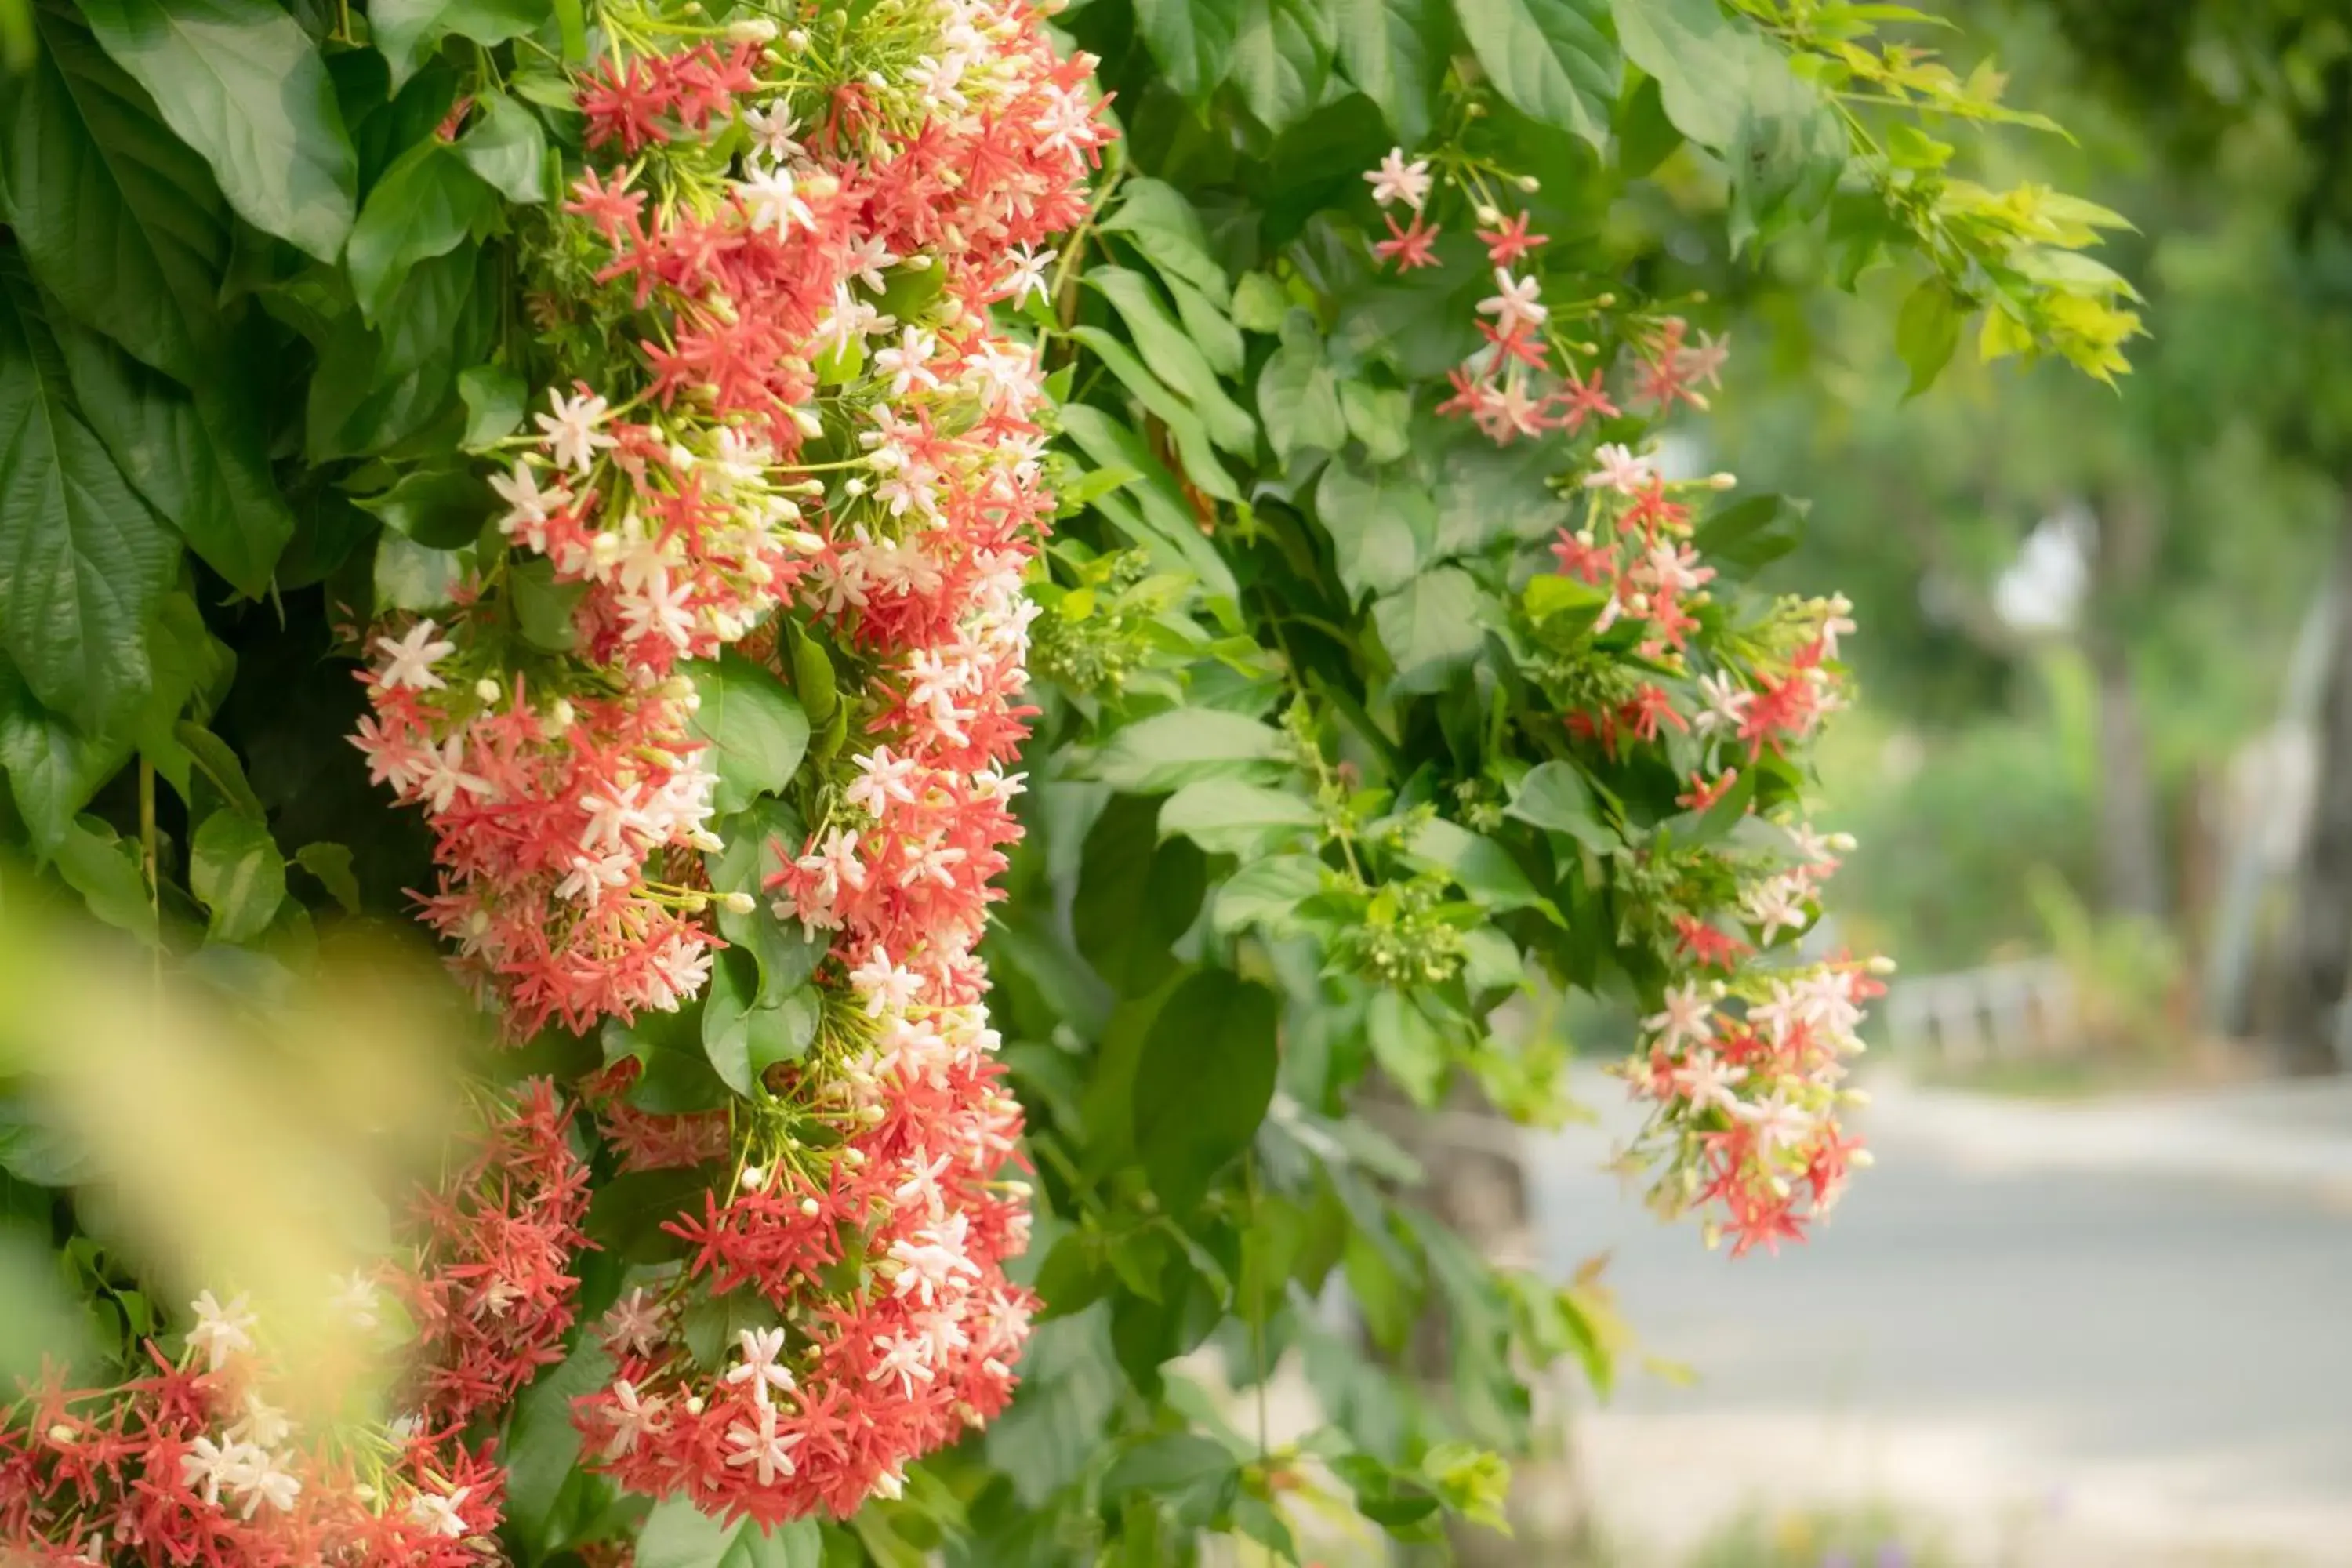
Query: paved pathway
[2123,1356]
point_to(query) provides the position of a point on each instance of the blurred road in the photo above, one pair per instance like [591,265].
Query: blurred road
[2073,1336]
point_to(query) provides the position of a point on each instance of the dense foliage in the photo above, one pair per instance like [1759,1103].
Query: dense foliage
[630,426]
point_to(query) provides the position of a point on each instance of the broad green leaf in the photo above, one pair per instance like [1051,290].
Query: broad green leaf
[1406,1045]
[1203,1081]
[1159,522]
[104,870]
[1555,797]
[1927,333]
[235,869]
[1162,224]
[1282,56]
[1551,60]
[1297,397]
[439,507]
[1192,40]
[1259,303]
[1173,356]
[83,562]
[756,730]
[1382,523]
[1226,816]
[755,842]
[1265,892]
[628,1212]
[1750,533]
[1731,90]
[677,1076]
[34,1148]
[241,83]
[1212,331]
[412,576]
[544,608]
[1196,449]
[506,147]
[1171,1465]
[1136,896]
[495,399]
[53,768]
[426,205]
[1488,493]
[1184,745]
[120,220]
[406,30]
[1379,417]
[211,757]
[375,388]
[197,453]
[542,1445]
[745,1031]
[332,864]
[1482,868]
[1070,1383]
[1395,53]
[1432,627]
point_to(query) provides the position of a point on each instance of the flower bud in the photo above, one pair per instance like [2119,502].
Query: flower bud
[487,690]
[560,715]
[753,1178]
[1722,481]
[853,486]
[1529,183]
[796,40]
[752,30]
[740,902]
[1882,964]
[809,1208]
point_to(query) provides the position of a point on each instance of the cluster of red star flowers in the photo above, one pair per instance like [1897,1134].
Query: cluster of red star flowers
[865,1228]
[1746,1099]
[194,1464]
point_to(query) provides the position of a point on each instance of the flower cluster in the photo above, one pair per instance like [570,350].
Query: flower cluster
[882,194]
[1744,1063]
[194,1463]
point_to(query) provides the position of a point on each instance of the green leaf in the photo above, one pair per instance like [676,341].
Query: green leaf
[1192,40]
[239,81]
[1927,333]
[1265,892]
[211,757]
[1551,60]
[1203,1081]
[1160,523]
[1297,397]
[544,607]
[1379,417]
[1226,816]
[332,864]
[1195,449]
[754,841]
[1480,867]
[676,1077]
[412,576]
[756,730]
[235,869]
[495,399]
[1432,627]
[439,507]
[1750,533]
[120,220]
[1172,353]
[506,146]
[745,1031]
[32,1148]
[1394,51]
[1406,1045]
[426,205]
[375,388]
[542,1445]
[1382,523]
[1282,56]
[104,870]
[405,30]
[1731,90]
[197,453]
[1070,1383]
[1159,220]
[1184,745]
[83,562]
[53,768]
[678,1535]
[1259,303]
[1555,797]
[628,1212]
[1136,896]
[1176,1464]
[1212,331]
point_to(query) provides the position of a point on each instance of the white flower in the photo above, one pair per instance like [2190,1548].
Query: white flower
[1027,274]
[444,775]
[1067,125]
[409,660]
[260,1480]
[439,1514]
[263,1424]
[357,1300]
[572,432]
[1689,1016]
[1777,1123]
[632,1418]
[1725,704]
[1616,468]
[930,1260]
[907,363]
[771,133]
[529,507]
[884,984]
[771,201]
[207,1464]
[220,1332]
[633,1324]
[765,1449]
[1514,302]
[761,1350]
[1706,1082]
[1398,181]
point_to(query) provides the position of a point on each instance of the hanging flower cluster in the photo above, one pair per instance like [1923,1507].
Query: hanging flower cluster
[194,1464]
[1743,1065]
[909,179]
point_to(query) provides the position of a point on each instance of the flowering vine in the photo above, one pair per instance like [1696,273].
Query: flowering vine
[1743,1060]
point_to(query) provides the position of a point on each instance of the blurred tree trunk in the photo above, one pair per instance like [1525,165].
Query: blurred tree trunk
[2319,939]
[2131,826]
